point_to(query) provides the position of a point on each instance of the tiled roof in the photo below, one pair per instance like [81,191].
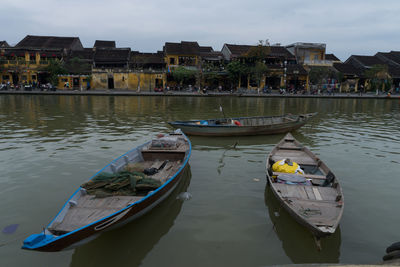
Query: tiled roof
[296,69]
[31,41]
[331,57]
[214,55]
[182,48]
[86,53]
[347,69]
[205,49]
[112,54]
[101,43]
[4,44]
[280,51]
[368,61]
[238,50]
[241,50]
[147,58]
[393,56]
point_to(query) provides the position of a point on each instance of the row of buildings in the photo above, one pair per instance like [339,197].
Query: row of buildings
[105,66]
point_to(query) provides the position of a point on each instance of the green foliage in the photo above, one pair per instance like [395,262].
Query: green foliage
[183,75]
[259,52]
[54,69]
[388,84]
[211,77]
[379,72]
[258,71]
[77,66]
[317,75]
[236,69]
[378,76]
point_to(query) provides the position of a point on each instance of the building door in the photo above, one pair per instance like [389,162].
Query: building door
[75,82]
[15,78]
[273,82]
[159,83]
[110,83]
[43,77]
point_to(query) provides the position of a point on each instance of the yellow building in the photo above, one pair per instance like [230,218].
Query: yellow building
[26,66]
[127,80]
[186,54]
[25,63]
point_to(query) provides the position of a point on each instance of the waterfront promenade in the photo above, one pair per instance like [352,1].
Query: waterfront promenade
[113,92]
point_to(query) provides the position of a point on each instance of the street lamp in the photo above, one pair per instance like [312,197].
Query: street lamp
[284,73]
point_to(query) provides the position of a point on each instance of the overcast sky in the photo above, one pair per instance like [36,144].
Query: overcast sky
[350,27]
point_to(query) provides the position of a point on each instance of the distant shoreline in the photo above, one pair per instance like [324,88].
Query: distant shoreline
[196,94]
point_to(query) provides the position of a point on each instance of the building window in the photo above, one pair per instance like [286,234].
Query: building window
[33,77]
[172,61]
[64,80]
[6,77]
[24,77]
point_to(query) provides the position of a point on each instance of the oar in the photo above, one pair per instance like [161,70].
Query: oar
[222,110]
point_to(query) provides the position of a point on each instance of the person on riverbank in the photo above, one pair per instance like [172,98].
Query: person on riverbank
[361,91]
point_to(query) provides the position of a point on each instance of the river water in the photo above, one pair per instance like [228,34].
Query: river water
[51,144]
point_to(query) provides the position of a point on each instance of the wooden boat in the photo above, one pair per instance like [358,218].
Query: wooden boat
[85,215]
[315,198]
[243,125]
[295,239]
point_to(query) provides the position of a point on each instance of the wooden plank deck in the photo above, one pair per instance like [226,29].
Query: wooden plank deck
[90,209]
[316,204]
[306,192]
[317,212]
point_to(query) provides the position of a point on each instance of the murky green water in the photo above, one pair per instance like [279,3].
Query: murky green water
[51,144]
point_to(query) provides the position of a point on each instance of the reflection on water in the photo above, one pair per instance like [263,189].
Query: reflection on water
[50,144]
[131,243]
[297,242]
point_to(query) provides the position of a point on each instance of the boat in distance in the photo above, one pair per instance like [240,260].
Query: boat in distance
[313,197]
[122,191]
[243,125]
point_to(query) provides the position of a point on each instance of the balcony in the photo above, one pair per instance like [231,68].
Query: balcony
[318,62]
[13,62]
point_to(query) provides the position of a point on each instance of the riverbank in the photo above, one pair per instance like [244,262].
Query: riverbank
[196,94]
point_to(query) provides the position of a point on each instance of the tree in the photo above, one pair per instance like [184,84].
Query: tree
[211,78]
[258,71]
[259,52]
[54,69]
[257,56]
[318,75]
[378,76]
[77,65]
[183,75]
[235,70]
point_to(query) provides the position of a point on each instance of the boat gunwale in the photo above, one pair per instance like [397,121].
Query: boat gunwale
[311,226]
[192,123]
[154,192]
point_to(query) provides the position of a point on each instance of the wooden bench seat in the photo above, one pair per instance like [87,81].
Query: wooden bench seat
[309,176]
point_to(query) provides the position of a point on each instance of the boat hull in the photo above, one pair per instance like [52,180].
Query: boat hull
[116,220]
[297,200]
[191,128]
[237,131]
[52,240]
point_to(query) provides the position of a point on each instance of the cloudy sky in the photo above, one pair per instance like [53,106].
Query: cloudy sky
[361,27]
